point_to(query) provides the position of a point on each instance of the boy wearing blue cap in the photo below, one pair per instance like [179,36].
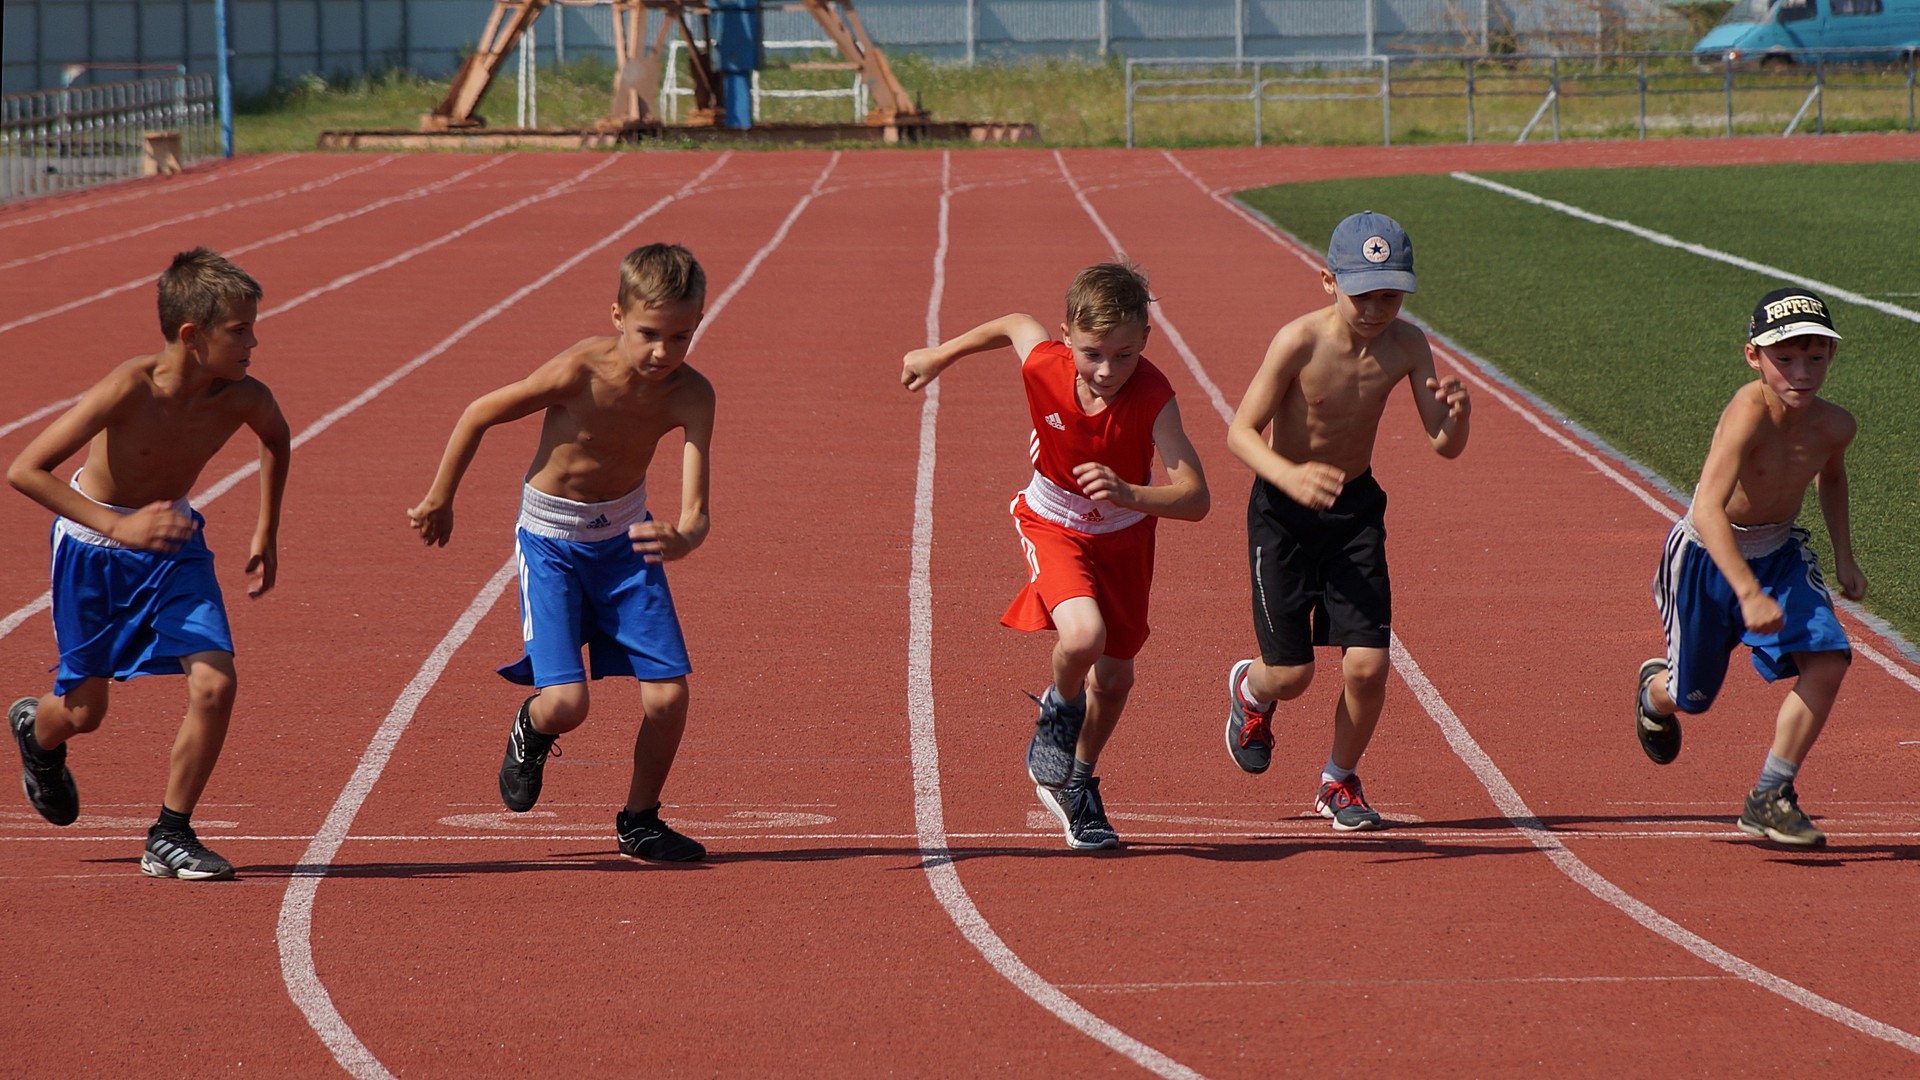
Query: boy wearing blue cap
[1737,568]
[1316,521]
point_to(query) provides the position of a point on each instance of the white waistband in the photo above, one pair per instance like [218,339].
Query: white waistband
[563,519]
[74,530]
[1754,541]
[1075,511]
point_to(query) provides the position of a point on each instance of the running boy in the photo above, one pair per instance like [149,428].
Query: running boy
[590,553]
[1086,519]
[1316,522]
[1737,568]
[134,591]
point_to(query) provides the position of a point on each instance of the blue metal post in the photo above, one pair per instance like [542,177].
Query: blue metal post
[739,57]
[225,76]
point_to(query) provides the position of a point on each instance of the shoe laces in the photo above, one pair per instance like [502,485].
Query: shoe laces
[1256,729]
[1345,793]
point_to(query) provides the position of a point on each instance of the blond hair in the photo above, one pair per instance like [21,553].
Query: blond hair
[1108,295]
[660,274]
[200,286]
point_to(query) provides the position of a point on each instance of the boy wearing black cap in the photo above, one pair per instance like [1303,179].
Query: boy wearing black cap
[1738,569]
[1316,521]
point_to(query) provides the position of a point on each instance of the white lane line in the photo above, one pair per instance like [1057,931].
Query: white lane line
[167,187]
[929,817]
[226,483]
[197,215]
[44,410]
[1515,810]
[1508,800]
[296,910]
[1664,240]
[294,931]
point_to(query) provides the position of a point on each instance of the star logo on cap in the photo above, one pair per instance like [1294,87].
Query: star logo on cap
[1376,249]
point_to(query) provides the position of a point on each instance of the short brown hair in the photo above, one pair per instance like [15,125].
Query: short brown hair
[200,286]
[661,274]
[1108,295]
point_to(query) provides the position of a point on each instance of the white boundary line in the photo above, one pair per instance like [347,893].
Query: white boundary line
[44,410]
[226,483]
[294,932]
[150,189]
[1703,251]
[197,215]
[929,817]
[1508,801]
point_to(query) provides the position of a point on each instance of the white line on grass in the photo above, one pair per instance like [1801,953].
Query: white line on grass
[1832,291]
[929,818]
[1508,800]
[296,910]
[212,211]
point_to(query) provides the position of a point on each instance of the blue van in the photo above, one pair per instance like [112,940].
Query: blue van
[1801,31]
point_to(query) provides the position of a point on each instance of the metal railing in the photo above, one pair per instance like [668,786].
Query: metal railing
[57,140]
[1436,98]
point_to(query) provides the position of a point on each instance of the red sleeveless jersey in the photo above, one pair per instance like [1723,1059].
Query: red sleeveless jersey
[1119,436]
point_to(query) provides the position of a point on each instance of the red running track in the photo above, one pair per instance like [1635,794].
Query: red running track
[855,919]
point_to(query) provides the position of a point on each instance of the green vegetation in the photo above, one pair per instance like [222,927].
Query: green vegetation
[1641,343]
[1078,102]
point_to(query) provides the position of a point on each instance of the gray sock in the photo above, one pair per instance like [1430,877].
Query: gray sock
[1778,772]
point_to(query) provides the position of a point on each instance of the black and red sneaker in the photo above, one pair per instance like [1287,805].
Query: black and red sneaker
[1249,736]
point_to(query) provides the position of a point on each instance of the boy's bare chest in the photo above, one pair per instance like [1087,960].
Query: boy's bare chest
[1785,462]
[1347,387]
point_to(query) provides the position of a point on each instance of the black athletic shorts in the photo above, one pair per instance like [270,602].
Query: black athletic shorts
[1319,576]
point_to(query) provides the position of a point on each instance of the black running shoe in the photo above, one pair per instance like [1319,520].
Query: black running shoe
[1249,738]
[180,854]
[43,773]
[1056,733]
[1081,814]
[1775,814]
[1659,732]
[1345,804]
[526,761]
[645,836]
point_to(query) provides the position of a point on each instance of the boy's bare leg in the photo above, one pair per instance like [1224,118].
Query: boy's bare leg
[1363,692]
[1107,692]
[1083,638]
[658,740]
[559,708]
[80,711]
[1658,695]
[1274,682]
[211,684]
[1804,712]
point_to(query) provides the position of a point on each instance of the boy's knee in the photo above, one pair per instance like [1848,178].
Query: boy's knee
[1823,668]
[665,700]
[1111,680]
[1282,683]
[211,692]
[1365,670]
[560,708]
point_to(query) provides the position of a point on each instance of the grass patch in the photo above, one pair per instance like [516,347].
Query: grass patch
[1642,343]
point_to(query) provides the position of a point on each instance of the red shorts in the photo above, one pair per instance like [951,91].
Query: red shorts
[1115,569]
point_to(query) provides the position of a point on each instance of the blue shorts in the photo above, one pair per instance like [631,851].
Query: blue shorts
[600,594]
[1702,615]
[119,612]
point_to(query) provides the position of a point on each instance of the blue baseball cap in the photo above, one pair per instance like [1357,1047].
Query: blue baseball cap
[1370,252]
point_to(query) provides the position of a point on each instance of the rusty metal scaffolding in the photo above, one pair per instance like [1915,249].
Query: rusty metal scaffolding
[640,47]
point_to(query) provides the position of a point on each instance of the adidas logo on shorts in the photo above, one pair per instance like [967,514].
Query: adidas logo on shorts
[599,522]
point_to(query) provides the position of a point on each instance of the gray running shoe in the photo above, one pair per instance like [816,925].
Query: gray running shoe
[1659,732]
[1775,814]
[645,836]
[1081,814]
[526,761]
[1249,738]
[1344,803]
[181,855]
[1056,733]
[43,773]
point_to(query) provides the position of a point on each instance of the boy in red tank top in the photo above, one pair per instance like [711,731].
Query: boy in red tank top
[1086,519]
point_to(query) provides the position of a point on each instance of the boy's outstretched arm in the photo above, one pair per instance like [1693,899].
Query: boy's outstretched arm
[1312,484]
[1739,424]
[659,541]
[1183,496]
[276,457]
[552,383]
[1832,486]
[1443,403]
[1023,332]
[156,527]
